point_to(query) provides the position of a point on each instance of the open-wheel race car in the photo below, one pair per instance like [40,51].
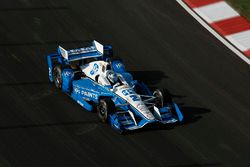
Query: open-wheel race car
[100,83]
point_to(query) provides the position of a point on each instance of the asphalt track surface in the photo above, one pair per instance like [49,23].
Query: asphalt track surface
[161,44]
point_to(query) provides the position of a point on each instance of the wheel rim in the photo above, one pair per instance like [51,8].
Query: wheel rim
[58,78]
[102,108]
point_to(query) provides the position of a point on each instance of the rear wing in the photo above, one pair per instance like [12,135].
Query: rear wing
[63,56]
[95,50]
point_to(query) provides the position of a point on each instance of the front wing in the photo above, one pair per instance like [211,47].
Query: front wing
[126,121]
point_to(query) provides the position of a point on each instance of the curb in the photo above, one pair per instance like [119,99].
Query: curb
[223,22]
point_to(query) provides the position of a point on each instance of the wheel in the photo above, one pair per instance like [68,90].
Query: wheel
[105,106]
[57,76]
[78,74]
[162,96]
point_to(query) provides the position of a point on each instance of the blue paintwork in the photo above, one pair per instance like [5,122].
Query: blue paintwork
[179,114]
[90,90]
[87,92]
[50,58]
[118,66]
[67,78]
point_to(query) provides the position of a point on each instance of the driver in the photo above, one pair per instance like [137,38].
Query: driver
[112,77]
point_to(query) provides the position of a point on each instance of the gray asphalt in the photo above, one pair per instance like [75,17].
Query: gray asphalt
[161,44]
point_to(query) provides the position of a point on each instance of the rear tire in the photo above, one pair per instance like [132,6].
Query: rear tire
[57,76]
[105,106]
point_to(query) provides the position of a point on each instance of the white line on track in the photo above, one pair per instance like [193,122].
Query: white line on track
[219,37]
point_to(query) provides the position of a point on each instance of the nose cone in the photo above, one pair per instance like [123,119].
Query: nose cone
[145,111]
[135,100]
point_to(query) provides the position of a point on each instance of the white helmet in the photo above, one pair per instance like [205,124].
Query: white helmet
[112,76]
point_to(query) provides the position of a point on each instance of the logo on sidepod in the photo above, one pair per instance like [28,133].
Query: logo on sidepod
[95,69]
[85,93]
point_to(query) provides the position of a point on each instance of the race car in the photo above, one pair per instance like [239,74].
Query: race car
[100,83]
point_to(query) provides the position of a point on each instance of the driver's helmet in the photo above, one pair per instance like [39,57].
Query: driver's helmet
[112,76]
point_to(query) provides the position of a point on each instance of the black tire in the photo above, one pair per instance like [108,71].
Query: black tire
[162,97]
[105,106]
[57,76]
[78,74]
[165,95]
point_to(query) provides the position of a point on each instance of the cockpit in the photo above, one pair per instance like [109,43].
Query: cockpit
[112,79]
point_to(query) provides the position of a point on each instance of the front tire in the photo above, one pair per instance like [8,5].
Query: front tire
[105,106]
[162,97]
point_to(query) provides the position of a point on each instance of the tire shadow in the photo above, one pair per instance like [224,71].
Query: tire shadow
[192,114]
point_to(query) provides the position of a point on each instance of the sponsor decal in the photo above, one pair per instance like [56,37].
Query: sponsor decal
[131,94]
[68,73]
[144,110]
[85,93]
[82,50]
[142,107]
[126,92]
[119,65]
[95,69]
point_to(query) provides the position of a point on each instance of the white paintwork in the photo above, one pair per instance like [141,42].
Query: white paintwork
[241,40]
[96,47]
[157,113]
[216,12]
[64,52]
[219,37]
[102,80]
[99,47]
[132,116]
[92,72]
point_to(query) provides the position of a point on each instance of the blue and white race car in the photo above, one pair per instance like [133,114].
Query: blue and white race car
[101,84]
